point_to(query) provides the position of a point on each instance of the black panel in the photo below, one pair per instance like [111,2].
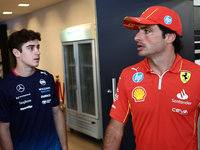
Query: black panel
[117,48]
[4,49]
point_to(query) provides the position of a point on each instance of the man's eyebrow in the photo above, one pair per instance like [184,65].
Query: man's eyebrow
[33,45]
[30,45]
[143,28]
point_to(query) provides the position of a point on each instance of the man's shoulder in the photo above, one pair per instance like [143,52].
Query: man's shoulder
[8,77]
[7,81]
[139,68]
[43,72]
[136,66]
[187,64]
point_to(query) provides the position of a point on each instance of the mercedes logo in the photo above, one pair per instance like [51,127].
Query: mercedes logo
[20,88]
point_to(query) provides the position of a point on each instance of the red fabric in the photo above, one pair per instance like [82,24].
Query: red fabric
[58,89]
[60,93]
[164,109]
[63,93]
[156,15]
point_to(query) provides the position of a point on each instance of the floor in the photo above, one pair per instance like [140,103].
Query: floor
[79,141]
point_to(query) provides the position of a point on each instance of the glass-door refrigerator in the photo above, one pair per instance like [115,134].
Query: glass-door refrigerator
[83,106]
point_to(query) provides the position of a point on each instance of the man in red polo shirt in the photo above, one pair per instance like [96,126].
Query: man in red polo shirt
[161,92]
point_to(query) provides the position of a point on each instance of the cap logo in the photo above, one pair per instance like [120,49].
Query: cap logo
[168,19]
[130,25]
[138,19]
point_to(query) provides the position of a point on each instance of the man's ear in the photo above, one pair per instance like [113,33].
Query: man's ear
[170,37]
[16,52]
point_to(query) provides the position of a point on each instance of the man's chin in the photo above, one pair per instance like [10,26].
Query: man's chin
[36,65]
[141,54]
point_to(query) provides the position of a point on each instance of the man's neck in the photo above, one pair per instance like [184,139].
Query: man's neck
[162,63]
[24,72]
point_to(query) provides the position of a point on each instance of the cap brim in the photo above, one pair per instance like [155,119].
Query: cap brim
[133,22]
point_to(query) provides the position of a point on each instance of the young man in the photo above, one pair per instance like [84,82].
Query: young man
[161,92]
[30,118]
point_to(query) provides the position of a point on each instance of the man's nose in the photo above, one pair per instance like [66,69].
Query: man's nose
[37,51]
[137,37]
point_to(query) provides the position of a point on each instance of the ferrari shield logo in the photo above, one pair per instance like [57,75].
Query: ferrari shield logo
[185,76]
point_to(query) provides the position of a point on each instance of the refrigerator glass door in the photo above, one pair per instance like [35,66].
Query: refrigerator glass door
[86,78]
[81,78]
[70,77]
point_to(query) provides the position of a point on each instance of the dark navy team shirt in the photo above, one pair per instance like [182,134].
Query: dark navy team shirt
[26,102]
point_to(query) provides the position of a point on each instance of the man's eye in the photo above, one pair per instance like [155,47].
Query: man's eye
[147,31]
[30,48]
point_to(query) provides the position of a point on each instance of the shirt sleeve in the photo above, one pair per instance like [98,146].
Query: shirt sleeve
[5,109]
[55,100]
[120,108]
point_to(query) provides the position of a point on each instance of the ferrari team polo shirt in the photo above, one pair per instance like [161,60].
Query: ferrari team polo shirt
[164,108]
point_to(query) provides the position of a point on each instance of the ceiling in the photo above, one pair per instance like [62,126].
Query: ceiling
[12,5]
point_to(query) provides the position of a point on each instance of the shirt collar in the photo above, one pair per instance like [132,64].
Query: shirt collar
[13,70]
[176,67]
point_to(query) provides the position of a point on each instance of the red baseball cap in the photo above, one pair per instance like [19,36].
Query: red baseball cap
[156,15]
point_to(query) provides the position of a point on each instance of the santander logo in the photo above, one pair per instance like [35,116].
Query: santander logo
[182,95]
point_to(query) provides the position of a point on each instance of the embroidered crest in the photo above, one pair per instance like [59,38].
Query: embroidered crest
[185,76]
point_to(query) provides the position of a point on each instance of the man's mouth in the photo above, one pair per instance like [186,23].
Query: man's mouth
[37,59]
[140,46]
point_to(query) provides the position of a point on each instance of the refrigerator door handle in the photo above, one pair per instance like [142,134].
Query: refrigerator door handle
[113,88]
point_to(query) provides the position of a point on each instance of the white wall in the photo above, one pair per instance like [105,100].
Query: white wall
[48,22]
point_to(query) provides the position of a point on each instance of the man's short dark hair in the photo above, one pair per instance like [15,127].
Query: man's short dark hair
[177,42]
[18,38]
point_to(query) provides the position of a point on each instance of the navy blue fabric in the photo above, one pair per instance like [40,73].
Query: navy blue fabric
[26,102]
